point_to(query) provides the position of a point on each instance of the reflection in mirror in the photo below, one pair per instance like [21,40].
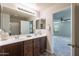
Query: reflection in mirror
[11,19]
[40,24]
[19,26]
[26,27]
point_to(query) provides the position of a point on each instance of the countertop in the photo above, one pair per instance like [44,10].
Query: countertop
[19,38]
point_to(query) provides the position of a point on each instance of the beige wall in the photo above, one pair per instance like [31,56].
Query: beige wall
[0,15]
[48,13]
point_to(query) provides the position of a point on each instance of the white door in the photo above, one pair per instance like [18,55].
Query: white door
[75,33]
[24,27]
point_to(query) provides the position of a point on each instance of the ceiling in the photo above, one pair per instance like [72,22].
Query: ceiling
[43,6]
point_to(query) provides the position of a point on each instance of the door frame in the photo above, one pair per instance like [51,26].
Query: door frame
[75,29]
[62,9]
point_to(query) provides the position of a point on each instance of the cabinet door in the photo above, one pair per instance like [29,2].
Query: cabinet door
[28,51]
[36,47]
[6,50]
[1,51]
[20,49]
[15,49]
[43,42]
[28,48]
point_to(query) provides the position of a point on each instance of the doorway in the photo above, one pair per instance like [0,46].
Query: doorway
[61,37]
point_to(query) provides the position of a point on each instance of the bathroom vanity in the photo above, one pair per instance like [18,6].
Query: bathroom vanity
[30,46]
[18,23]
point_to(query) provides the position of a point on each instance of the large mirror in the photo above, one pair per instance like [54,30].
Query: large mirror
[20,26]
[15,22]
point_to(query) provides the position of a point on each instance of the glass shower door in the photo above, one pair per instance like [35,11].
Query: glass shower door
[61,37]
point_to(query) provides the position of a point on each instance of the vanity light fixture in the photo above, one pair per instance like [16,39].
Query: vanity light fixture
[26,8]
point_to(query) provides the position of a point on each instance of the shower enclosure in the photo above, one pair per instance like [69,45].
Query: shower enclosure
[61,37]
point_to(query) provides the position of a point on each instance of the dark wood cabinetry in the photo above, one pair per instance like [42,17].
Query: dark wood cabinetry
[40,45]
[1,51]
[26,48]
[43,45]
[12,49]
[36,45]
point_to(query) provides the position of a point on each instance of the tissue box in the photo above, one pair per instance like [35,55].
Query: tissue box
[4,36]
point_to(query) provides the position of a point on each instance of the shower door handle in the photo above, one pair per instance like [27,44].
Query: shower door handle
[74,46]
